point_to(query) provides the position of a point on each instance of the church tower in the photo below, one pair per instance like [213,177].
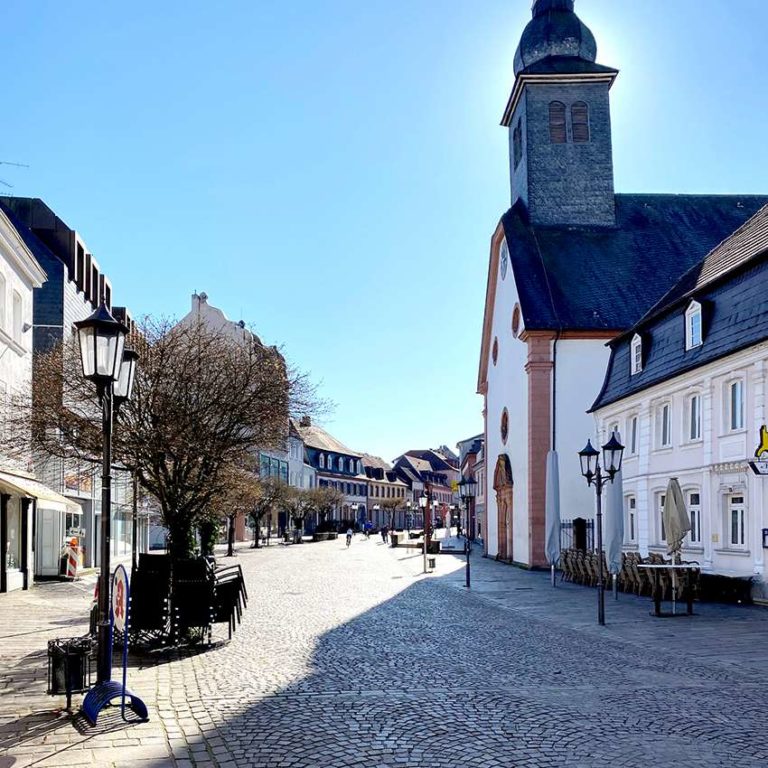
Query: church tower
[559,121]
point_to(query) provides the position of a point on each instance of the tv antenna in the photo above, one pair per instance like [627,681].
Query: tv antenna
[17,165]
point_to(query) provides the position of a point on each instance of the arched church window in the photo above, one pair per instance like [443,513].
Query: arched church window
[504,426]
[557,134]
[580,122]
[495,350]
[517,142]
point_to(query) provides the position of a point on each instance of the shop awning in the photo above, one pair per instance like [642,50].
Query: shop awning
[47,498]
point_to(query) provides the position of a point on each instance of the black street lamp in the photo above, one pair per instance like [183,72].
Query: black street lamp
[102,344]
[468,490]
[613,453]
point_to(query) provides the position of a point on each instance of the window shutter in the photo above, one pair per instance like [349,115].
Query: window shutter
[580,122]
[557,133]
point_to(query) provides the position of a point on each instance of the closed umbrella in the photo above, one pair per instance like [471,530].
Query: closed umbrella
[614,524]
[552,512]
[677,523]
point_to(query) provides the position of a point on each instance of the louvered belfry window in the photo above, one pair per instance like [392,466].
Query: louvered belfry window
[557,133]
[580,122]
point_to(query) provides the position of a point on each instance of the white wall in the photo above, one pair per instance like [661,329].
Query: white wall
[507,387]
[580,370]
[714,466]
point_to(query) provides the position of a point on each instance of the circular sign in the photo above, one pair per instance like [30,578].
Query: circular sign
[119,597]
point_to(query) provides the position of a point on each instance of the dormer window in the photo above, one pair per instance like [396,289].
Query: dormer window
[321,461]
[557,131]
[637,354]
[693,328]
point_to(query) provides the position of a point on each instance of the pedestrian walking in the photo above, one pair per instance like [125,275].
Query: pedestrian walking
[367,529]
[350,532]
[385,534]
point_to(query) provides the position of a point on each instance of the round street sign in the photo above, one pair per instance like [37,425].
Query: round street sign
[119,597]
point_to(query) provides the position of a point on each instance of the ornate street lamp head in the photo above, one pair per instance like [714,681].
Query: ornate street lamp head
[588,457]
[102,339]
[613,454]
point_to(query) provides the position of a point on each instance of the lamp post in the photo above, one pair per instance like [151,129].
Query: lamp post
[424,502]
[467,489]
[102,345]
[613,453]
[408,516]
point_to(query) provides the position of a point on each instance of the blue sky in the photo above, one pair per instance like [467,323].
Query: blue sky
[332,171]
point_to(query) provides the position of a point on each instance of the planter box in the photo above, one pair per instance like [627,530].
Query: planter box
[328,536]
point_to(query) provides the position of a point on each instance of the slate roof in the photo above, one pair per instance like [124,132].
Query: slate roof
[375,461]
[316,437]
[557,65]
[555,30]
[731,283]
[39,249]
[607,278]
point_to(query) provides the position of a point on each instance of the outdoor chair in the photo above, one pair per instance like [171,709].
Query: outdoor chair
[193,606]
[231,596]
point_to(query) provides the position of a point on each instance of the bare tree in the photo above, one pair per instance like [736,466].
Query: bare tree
[391,506]
[297,505]
[268,495]
[203,405]
[324,500]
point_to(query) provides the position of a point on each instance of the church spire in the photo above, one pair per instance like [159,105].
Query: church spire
[544,6]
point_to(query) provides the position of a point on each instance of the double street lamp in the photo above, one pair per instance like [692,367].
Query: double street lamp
[597,475]
[111,367]
[467,490]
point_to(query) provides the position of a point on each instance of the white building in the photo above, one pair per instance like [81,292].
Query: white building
[687,389]
[571,265]
[20,273]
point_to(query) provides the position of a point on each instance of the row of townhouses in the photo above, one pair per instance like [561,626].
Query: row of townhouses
[642,313]
[48,280]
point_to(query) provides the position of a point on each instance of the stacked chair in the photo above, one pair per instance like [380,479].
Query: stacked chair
[183,602]
[581,567]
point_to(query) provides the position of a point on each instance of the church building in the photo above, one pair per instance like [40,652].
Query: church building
[572,264]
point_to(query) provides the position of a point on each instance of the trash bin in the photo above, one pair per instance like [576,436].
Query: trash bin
[69,666]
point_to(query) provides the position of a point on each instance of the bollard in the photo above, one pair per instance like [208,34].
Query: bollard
[467,550]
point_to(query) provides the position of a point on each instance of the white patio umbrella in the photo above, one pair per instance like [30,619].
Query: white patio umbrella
[677,523]
[552,512]
[614,527]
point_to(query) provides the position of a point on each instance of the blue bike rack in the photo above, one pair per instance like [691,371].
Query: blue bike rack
[105,692]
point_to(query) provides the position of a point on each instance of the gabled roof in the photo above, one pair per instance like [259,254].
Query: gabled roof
[731,283]
[316,437]
[375,461]
[747,242]
[604,279]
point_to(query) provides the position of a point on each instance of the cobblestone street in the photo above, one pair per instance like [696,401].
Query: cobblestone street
[351,658]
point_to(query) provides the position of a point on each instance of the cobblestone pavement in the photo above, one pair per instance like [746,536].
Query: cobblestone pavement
[352,658]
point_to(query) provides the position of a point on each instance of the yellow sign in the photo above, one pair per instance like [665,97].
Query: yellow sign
[763,445]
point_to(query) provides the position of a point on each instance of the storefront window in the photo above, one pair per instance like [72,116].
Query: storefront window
[13,548]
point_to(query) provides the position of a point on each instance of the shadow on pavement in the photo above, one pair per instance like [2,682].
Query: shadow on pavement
[437,677]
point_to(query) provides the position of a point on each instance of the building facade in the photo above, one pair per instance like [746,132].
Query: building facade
[74,287]
[387,494]
[686,389]
[572,264]
[338,467]
[20,274]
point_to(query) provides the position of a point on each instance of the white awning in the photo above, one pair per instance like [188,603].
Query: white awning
[47,498]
